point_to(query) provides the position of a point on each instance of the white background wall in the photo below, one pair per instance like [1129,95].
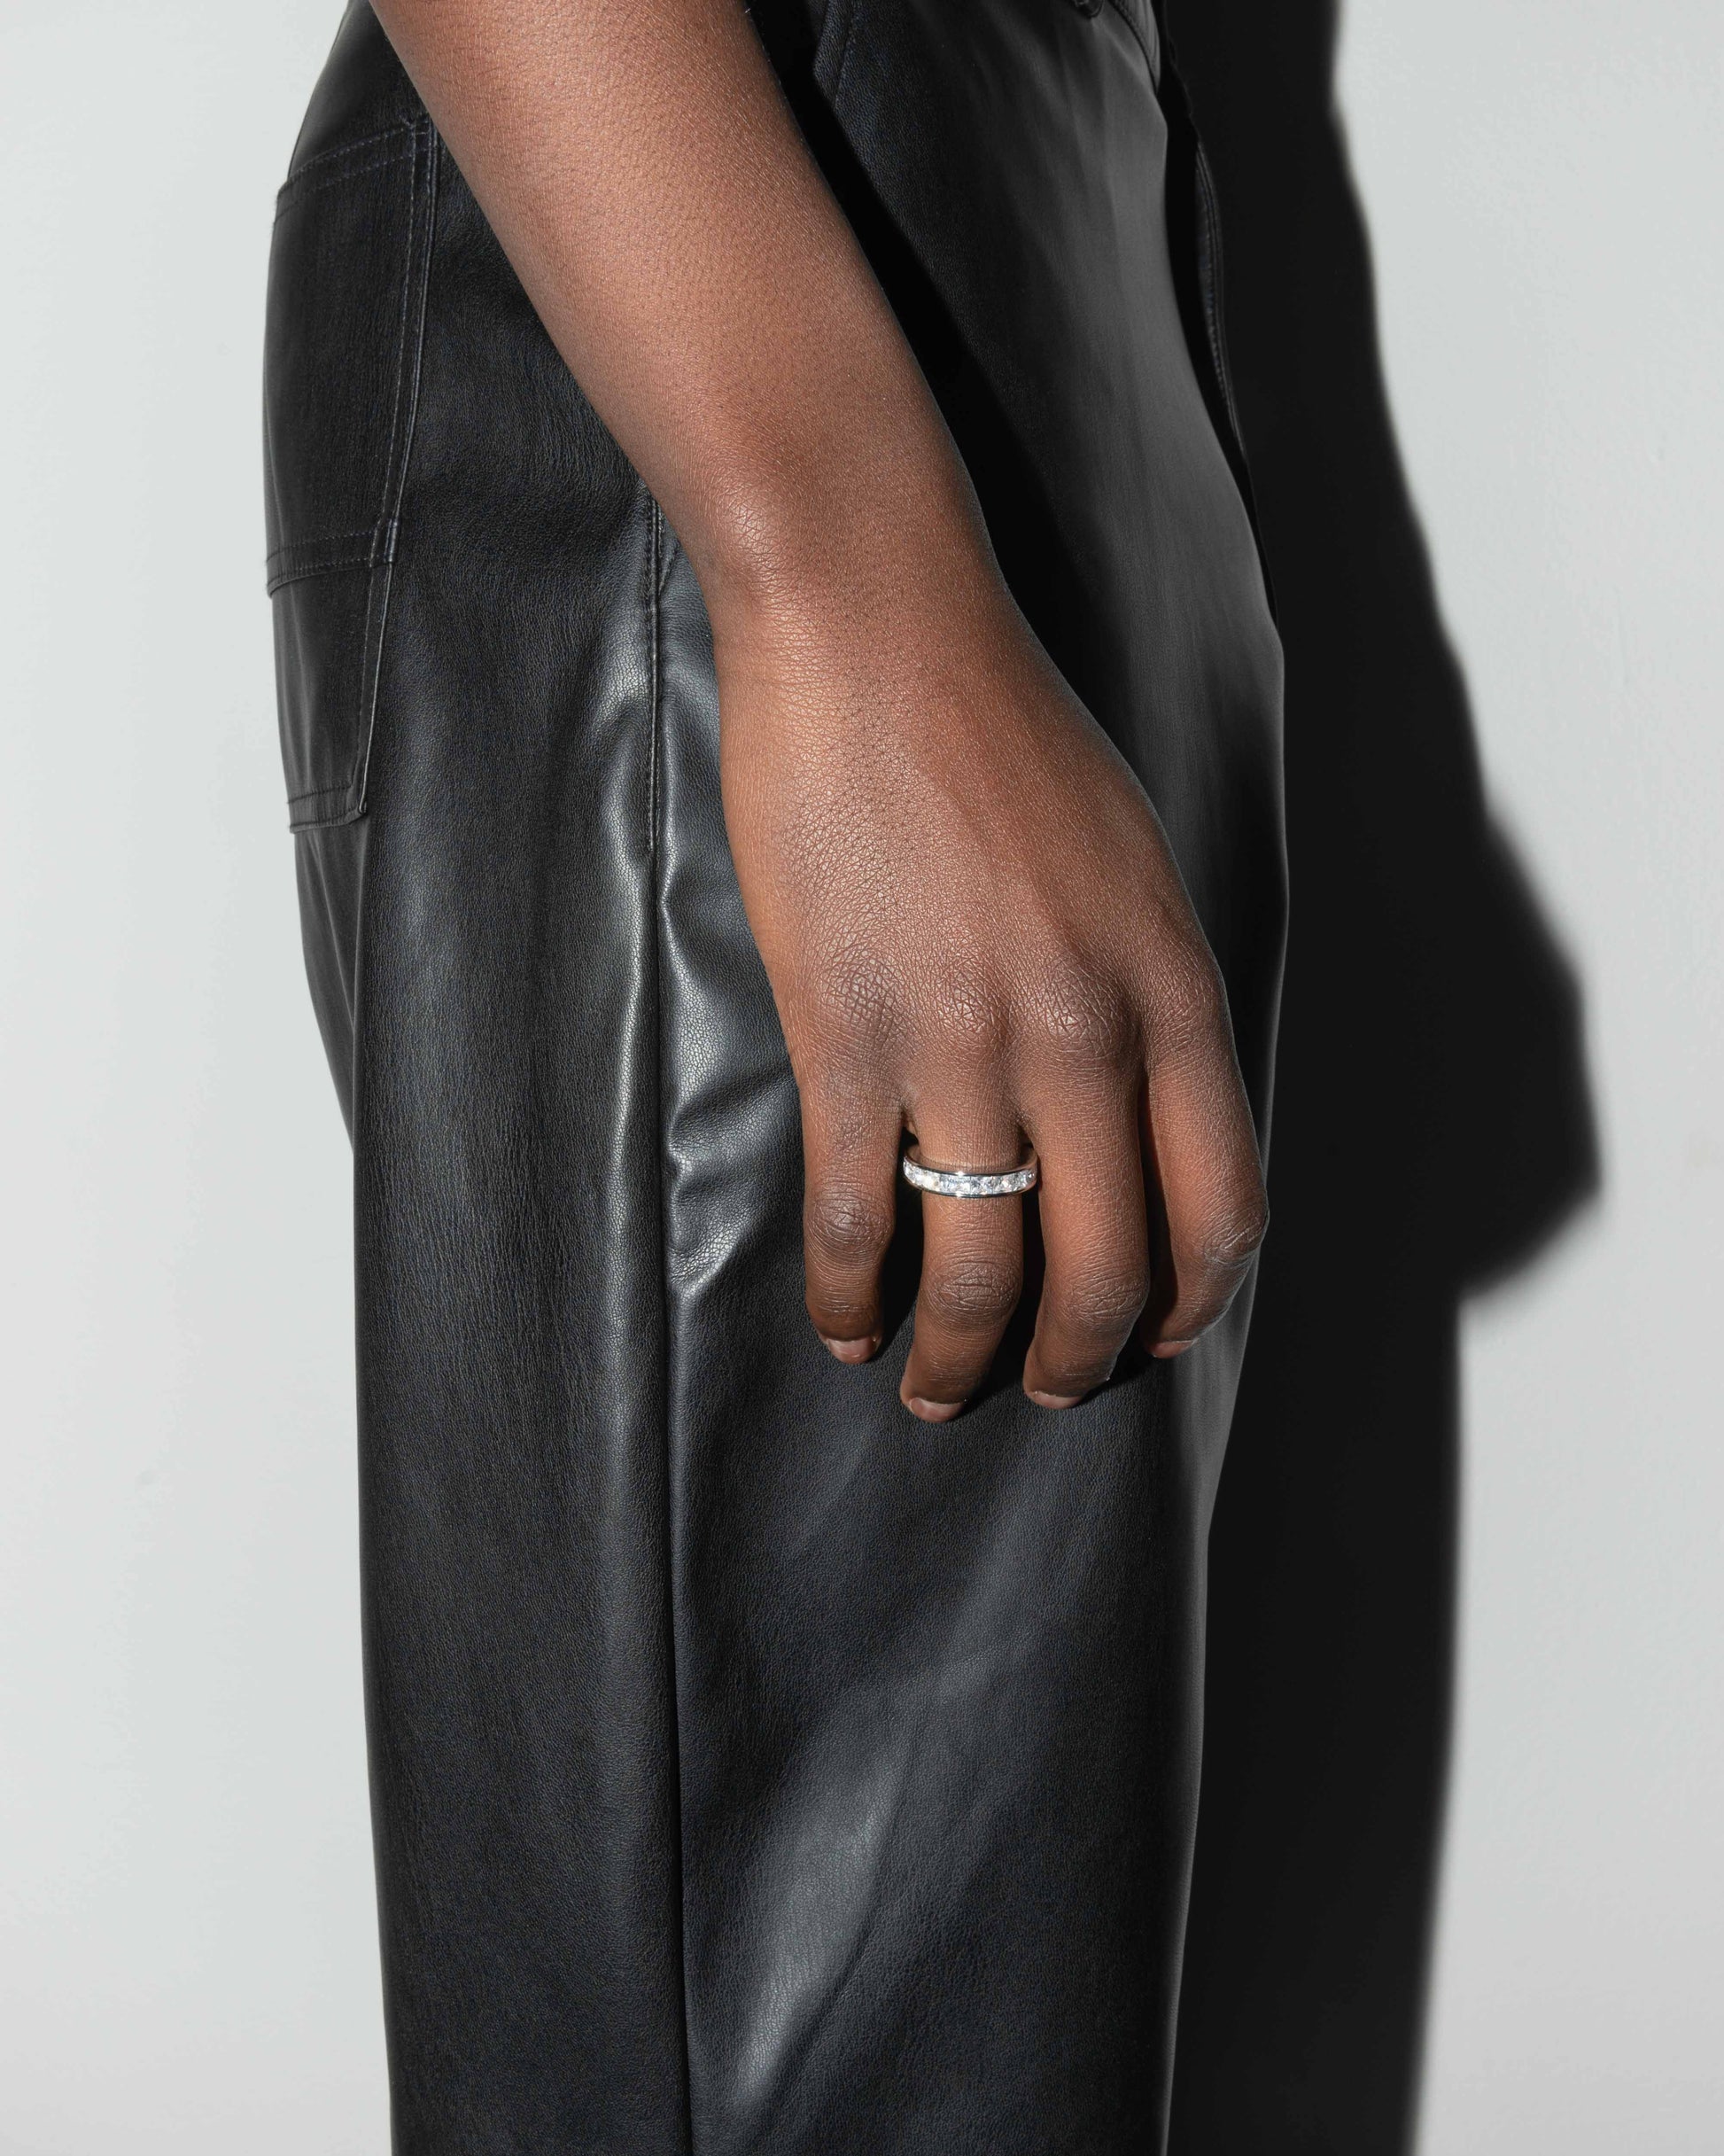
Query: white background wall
[186,1948]
[1544,182]
[187,1956]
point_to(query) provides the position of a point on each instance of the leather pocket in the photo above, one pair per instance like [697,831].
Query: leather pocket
[344,327]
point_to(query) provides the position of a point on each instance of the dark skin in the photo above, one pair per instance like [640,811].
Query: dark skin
[973,923]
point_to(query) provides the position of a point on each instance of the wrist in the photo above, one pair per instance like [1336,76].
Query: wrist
[830,541]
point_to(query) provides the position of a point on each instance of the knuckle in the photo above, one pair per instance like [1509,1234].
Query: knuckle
[1082,1018]
[1103,1304]
[1240,1236]
[847,1228]
[1189,1003]
[852,1001]
[972,1294]
[1224,1260]
[1236,1234]
[967,1018]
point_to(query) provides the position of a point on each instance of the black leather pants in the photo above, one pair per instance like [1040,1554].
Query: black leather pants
[754,1768]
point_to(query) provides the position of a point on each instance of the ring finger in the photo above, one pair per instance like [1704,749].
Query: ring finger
[972,1264]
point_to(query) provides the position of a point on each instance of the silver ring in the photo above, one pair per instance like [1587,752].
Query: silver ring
[971,1182]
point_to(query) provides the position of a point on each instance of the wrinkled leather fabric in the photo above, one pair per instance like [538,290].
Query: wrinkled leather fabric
[754,1769]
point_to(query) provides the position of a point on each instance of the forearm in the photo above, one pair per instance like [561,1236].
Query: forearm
[642,171]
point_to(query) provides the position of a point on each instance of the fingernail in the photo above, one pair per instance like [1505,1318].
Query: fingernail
[852,1350]
[1056,1400]
[933,1411]
[1166,1349]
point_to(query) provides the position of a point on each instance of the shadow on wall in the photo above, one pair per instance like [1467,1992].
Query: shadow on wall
[1433,1131]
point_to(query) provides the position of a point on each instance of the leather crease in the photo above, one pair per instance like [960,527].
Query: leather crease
[655,595]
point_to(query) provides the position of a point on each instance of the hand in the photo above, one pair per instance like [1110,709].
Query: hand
[975,929]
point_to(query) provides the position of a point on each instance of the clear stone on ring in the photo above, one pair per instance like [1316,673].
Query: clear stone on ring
[971,1182]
